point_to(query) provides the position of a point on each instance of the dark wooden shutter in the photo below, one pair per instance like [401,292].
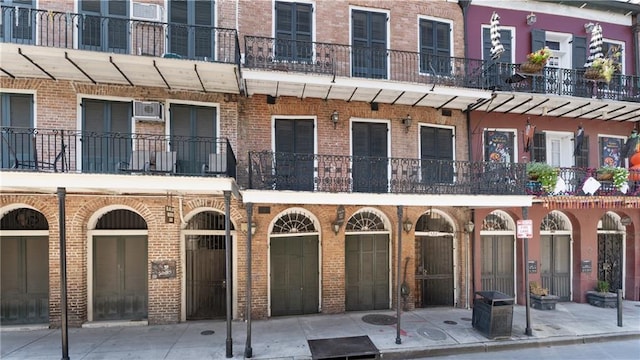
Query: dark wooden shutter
[293,31]
[178,29]
[582,158]
[538,39]
[579,51]
[505,40]
[539,150]
[369,40]
[294,172]
[203,19]
[436,143]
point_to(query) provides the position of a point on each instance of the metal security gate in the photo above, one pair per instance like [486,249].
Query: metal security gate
[205,277]
[610,260]
[497,263]
[25,279]
[435,270]
[555,265]
[367,272]
[120,277]
[294,275]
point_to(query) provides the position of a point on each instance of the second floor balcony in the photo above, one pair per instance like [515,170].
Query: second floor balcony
[75,151]
[277,171]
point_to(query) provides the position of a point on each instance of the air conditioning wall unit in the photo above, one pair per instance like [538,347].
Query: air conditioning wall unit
[148,110]
[147,12]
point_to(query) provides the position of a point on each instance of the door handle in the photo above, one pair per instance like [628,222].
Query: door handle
[224,284]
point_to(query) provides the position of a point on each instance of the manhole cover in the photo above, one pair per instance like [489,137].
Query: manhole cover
[207,332]
[379,319]
[465,319]
[450,322]
[432,334]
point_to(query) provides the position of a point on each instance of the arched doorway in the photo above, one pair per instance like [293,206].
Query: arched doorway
[611,237]
[294,265]
[119,258]
[497,241]
[24,250]
[434,261]
[205,266]
[367,268]
[555,255]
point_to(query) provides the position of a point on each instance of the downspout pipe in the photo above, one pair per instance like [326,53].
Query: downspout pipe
[464,5]
[636,45]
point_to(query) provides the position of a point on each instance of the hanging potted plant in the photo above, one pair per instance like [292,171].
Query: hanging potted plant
[536,61]
[602,69]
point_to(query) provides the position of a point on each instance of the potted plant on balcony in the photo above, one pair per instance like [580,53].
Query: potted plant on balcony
[544,174]
[602,69]
[601,296]
[618,175]
[540,298]
[536,61]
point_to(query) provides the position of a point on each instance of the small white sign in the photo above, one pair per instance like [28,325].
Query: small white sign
[524,229]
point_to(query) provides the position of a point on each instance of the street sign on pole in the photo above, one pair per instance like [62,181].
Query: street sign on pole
[524,229]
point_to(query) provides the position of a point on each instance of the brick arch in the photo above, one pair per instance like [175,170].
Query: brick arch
[44,205]
[88,210]
[202,204]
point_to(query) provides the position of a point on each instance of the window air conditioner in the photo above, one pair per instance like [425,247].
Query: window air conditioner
[147,110]
[147,12]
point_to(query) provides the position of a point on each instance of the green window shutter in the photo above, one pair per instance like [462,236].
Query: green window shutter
[538,38]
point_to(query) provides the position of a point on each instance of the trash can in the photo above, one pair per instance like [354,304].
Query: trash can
[493,314]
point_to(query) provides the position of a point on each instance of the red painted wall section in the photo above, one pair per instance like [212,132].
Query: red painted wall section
[481,15]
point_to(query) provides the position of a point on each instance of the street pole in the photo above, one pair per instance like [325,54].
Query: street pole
[399,269]
[527,330]
[227,238]
[248,351]
[62,192]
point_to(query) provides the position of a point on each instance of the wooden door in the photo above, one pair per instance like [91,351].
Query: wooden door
[555,265]
[367,272]
[294,154]
[294,275]
[25,280]
[498,264]
[119,277]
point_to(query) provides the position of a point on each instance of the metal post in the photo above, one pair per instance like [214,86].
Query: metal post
[248,351]
[227,235]
[63,273]
[619,307]
[399,269]
[527,330]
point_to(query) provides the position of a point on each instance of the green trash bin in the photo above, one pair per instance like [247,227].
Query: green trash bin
[493,314]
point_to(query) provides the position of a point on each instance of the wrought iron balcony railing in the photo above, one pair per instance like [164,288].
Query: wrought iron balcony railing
[558,81]
[335,173]
[361,62]
[56,150]
[376,63]
[573,182]
[118,35]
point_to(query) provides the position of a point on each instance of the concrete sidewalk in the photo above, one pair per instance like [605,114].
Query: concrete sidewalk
[424,332]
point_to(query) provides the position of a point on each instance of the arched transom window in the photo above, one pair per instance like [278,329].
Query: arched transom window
[293,222]
[365,221]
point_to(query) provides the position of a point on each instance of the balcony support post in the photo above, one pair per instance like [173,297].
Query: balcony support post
[398,270]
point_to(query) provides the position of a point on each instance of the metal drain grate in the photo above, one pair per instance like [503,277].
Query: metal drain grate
[207,332]
[449,322]
[432,333]
[379,319]
[355,347]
